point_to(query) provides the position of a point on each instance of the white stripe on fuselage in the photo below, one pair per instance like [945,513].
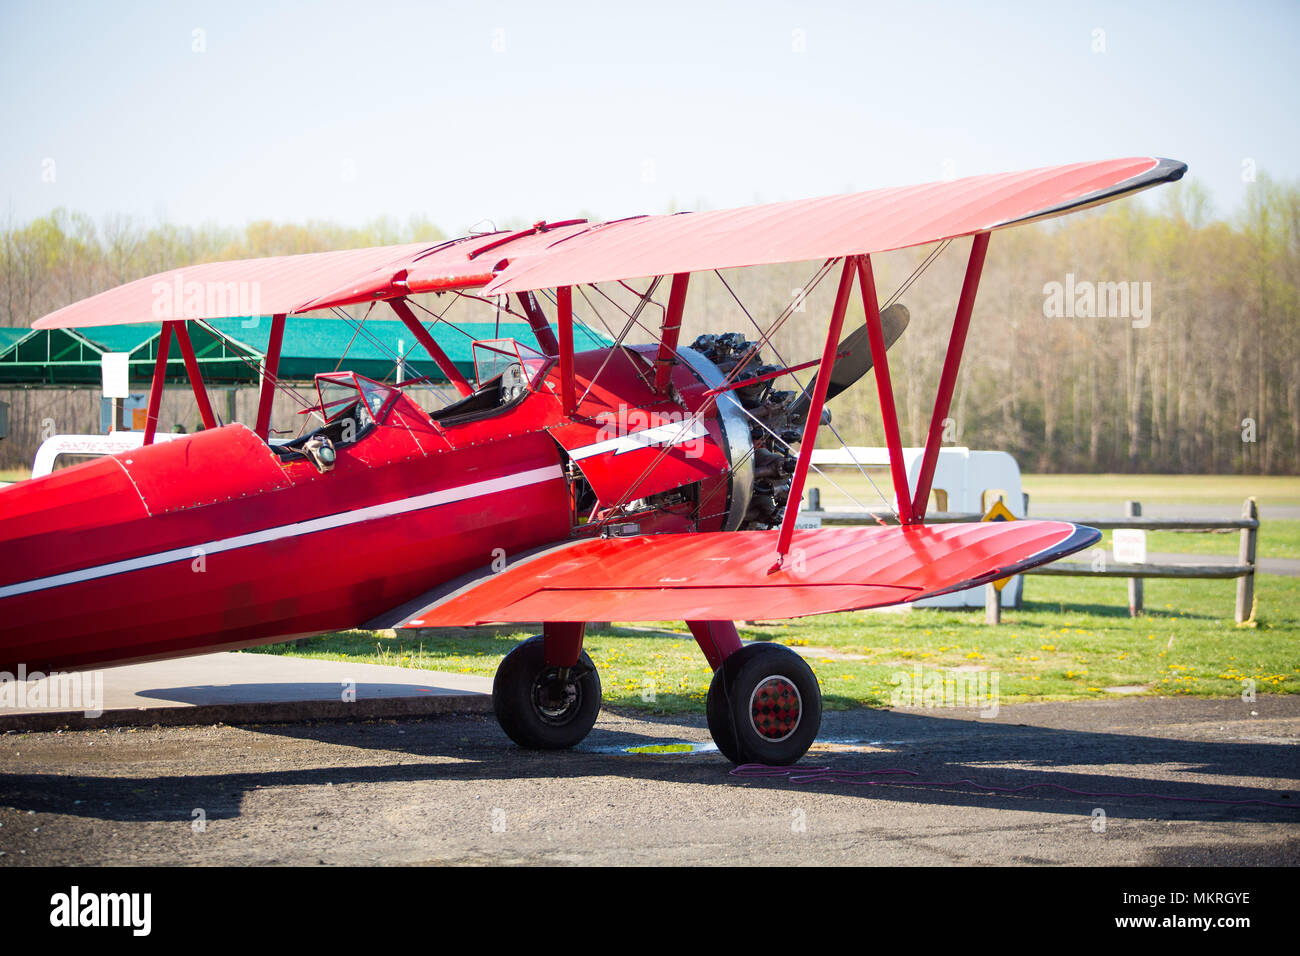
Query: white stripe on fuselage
[386,510]
[673,433]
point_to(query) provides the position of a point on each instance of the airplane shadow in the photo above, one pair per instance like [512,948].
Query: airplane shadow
[938,748]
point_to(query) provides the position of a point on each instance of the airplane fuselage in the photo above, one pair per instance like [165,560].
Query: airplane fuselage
[219,541]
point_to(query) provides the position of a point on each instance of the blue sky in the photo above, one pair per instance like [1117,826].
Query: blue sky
[461,111]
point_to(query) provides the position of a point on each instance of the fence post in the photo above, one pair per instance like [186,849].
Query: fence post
[1246,555]
[1133,509]
[1019,583]
[814,499]
[992,604]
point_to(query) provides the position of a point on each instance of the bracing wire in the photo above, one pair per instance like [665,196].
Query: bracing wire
[916,274]
[618,342]
[276,382]
[843,444]
[384,348]
[689,423]
[928,261]
[831,426]
[442,316]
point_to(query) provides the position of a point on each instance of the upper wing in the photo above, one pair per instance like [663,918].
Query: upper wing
[576,252]
[221,290]
[725,575]
[833,226]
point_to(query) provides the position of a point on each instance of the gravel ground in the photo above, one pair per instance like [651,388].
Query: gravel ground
[453,789]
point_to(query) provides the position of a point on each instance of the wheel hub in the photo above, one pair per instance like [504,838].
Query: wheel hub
[555,698]
[775,708]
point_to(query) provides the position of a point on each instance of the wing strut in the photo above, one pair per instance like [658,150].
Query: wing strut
[888,412]
[160,375]
[820,384]
[670,330]
[270,371]
[537,319]
[948,378]
[564,300]
[156,388]
[445,365]
[196,376]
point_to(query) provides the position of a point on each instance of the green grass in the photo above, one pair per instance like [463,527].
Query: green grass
[1230,490]
[1072,640]
[1082,494]
[15,474]
[1278,538]
[1088,491]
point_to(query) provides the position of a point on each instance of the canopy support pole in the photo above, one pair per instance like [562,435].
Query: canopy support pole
[196,376]
[820,384]
[885,389]
[670,330]
[270,370]
[564,300]
[537,319]
[445,364]
[156,387]
[948,378]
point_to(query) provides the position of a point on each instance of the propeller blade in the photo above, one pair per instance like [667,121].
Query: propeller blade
[857,363]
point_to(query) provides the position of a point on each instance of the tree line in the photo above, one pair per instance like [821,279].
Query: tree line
[1147,336]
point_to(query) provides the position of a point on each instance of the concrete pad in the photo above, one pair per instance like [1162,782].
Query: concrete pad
[237,688]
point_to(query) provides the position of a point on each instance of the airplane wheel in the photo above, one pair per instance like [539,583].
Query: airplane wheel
[764,706]
[539,709]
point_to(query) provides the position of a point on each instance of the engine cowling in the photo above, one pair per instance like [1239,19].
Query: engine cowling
[758,424]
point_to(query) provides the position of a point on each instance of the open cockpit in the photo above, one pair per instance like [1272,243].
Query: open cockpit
[351,406]
[505,371]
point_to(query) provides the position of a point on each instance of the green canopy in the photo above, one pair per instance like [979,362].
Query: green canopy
[72,357]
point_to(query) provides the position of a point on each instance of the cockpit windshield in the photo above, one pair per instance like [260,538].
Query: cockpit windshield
[340,391]
[493,357]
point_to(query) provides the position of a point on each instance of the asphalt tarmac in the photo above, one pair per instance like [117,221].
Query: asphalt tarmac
[452,789]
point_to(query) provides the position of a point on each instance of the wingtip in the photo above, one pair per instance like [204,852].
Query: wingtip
[1168,170]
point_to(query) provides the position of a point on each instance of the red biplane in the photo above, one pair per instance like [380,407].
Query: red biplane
[525,501]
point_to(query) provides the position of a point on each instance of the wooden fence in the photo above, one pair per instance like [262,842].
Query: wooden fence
[1243,570]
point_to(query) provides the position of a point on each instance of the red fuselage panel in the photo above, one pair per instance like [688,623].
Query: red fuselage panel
[237,553]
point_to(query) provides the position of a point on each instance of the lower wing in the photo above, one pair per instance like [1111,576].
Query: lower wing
[728,576]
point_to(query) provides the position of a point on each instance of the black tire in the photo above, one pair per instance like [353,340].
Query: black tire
[519,698]
[764,706]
